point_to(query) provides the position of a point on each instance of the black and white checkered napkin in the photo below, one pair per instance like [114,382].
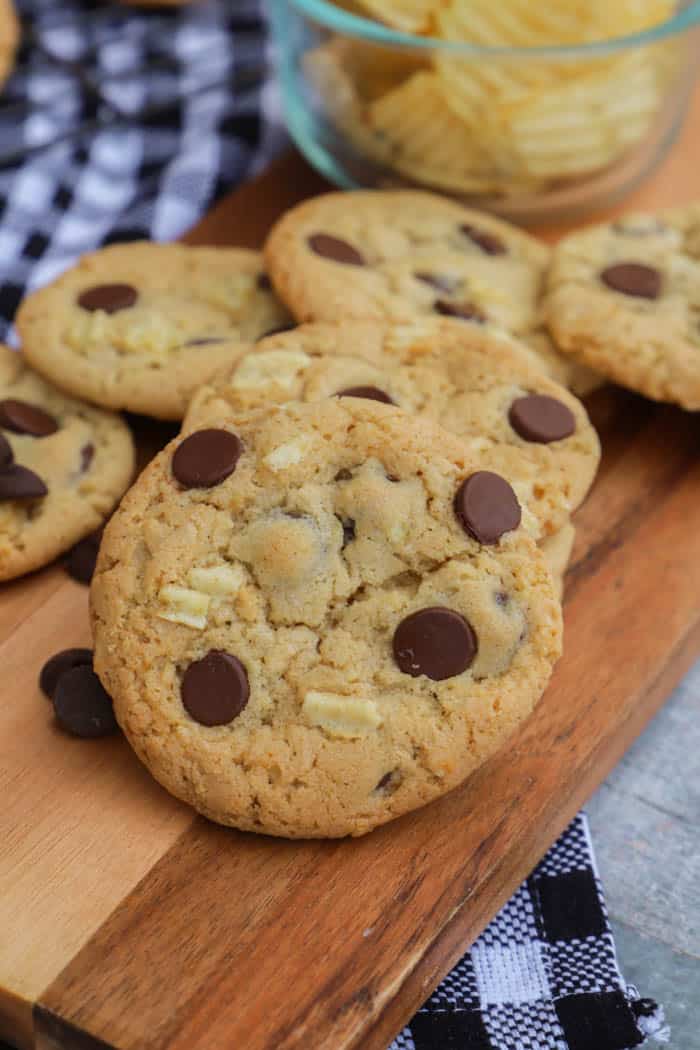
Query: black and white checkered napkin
[543,975]
[120,124]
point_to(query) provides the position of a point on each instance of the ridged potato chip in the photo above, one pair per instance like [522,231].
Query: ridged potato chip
[425,139]
[411,16]
[506,123]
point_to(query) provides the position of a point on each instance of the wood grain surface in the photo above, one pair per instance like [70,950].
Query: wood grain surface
[127,922]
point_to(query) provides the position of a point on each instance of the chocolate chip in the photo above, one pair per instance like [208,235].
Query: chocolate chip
[82,706]
[208,341]
[111,298]
[436,642]
[206,458]
[369,393]
[6,454]
[464,311]
[389,783]
[631,278]
[541,419]
[87,454]
[20,483]
[333,248]
[264,283]
[441,282]
[276,331]
[59,664]
[215,689]
[487,507]
[82,558]
[23,418]
[348,530]
[501,598]
[488,242]
[343,475]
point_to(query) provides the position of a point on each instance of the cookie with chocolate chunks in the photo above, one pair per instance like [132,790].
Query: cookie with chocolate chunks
[139,326]
[623,298]
[481,385]
[400,255]
[63,466]
[307,628]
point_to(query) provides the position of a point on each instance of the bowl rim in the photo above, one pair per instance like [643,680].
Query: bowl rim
[337,19]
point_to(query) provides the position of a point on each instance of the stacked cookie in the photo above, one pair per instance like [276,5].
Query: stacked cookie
[336,593]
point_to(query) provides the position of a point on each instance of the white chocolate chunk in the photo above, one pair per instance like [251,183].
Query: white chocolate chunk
[342,716]
[182,605]
[288,454]
[270,366]
[217,580]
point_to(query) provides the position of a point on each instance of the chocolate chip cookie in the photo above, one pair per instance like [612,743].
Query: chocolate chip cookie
[482,386]
[397,255]
[63,466]
[320,616]
[139,326]
[624,299]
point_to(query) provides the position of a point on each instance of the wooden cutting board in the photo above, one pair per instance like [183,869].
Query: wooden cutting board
[127,922]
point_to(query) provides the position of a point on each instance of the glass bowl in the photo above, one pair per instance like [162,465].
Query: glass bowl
[531,133]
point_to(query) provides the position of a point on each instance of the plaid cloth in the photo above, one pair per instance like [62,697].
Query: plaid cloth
[543,975]
[120,124]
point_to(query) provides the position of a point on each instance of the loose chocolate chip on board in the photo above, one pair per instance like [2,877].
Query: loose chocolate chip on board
[215,689]
[436,642]
[541,419]
[6,453]
[335,249]
[110,298]
[463,311]
[488,242]
[23,418]
[87,454]
[20,483]
[635,279]
[441,282]
[206,458]
[369,393]
[57,666]
[82,558]
[82,706]
[487,507]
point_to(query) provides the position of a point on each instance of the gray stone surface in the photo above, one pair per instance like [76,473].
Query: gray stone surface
[645,822]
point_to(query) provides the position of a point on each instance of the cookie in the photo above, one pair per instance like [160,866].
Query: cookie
[63,467]
[9,38]
[320,616]
[398,255]
[479,385]
[624,299]
[138,326]
[557,552]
